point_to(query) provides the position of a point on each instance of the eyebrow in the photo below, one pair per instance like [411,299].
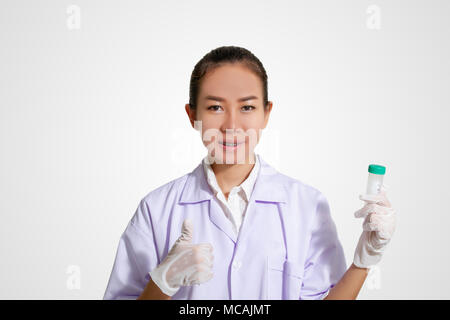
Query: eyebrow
[222,99]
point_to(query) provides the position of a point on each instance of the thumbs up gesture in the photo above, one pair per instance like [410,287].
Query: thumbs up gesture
[186,263]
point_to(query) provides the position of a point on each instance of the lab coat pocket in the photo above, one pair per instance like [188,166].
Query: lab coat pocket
[285,279]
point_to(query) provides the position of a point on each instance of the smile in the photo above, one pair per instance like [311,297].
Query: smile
[230,145]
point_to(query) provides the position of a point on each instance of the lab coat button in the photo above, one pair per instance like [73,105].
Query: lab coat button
[237,264]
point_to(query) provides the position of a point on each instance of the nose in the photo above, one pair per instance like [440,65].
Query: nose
[229,121]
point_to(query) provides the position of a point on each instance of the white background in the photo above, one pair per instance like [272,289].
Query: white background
[92,119]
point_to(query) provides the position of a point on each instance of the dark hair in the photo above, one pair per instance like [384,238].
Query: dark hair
[216,58]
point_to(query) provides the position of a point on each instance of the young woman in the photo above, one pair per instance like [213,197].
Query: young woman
[234,227]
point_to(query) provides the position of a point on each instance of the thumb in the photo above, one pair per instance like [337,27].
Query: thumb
[187,231]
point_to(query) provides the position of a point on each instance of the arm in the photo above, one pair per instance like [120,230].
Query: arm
[350,284]
[152,292]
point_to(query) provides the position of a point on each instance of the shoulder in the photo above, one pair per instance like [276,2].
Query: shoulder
[154,203]
[293,191]
[166,191]
[309,202]
[296,186]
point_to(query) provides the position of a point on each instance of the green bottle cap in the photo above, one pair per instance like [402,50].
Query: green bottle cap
[377,169]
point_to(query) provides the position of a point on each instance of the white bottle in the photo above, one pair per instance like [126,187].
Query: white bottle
[375,180]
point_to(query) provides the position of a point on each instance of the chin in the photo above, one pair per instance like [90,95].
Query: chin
[230,158]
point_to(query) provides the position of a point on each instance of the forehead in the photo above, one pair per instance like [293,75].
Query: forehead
[231,81]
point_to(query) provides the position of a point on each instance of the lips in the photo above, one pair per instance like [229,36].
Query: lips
[231,143]
[235,141]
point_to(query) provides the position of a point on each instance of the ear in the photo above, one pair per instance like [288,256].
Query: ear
[190,113]
[267,113]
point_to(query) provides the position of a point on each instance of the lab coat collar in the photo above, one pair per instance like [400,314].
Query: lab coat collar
[268,186]
[247,185]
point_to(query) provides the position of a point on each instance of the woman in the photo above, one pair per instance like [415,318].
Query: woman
[234,227]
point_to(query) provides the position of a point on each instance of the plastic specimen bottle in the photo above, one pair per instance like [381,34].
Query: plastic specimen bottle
[375,180]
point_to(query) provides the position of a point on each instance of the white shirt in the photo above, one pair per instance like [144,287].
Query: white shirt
[238,197]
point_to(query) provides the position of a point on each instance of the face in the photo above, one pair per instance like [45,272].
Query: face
[230,113]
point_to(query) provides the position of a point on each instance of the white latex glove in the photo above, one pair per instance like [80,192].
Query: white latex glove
[378,228]
[186,264]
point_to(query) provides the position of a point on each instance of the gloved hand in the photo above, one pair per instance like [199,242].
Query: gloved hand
[378,228]
[186,264]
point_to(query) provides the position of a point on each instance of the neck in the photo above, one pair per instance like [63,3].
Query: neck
[230,175]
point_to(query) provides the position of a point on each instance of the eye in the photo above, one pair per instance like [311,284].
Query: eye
[213,107]
[252,107]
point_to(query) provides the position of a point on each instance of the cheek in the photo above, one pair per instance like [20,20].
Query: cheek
[254,125]
[210,132]
[209,122]
[255,121]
